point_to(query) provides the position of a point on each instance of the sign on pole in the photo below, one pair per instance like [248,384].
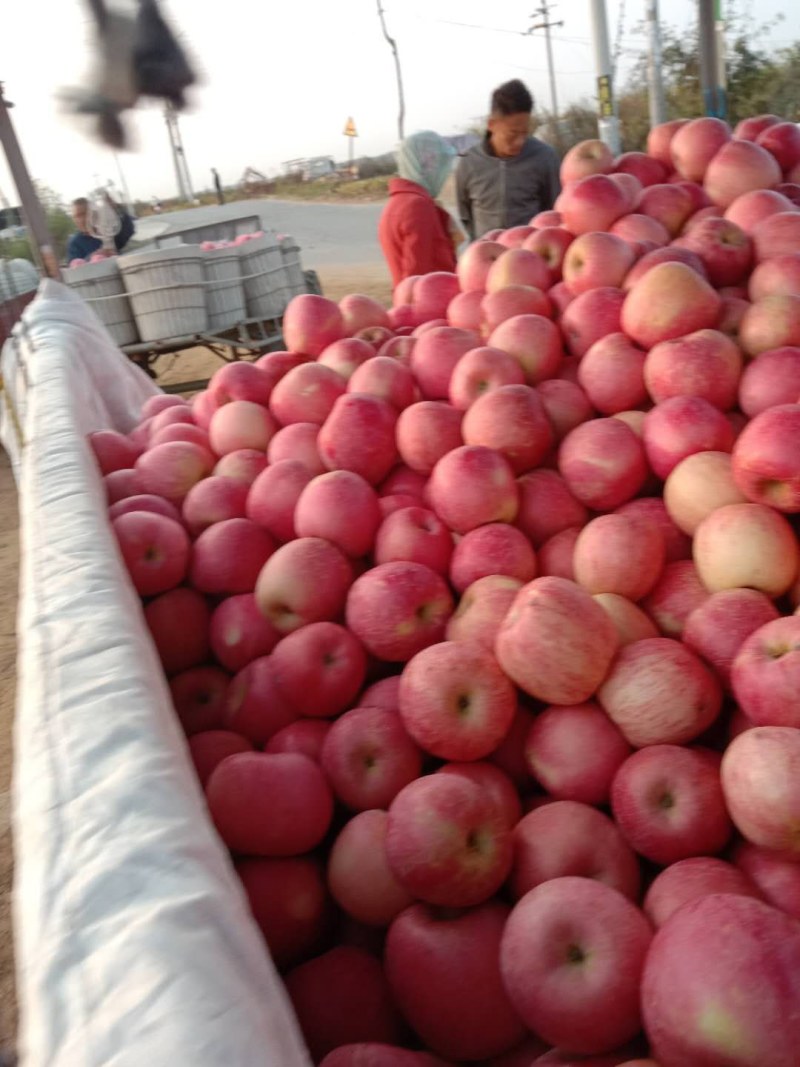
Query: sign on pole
[351,134]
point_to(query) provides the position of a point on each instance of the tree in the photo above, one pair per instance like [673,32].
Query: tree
[401,102]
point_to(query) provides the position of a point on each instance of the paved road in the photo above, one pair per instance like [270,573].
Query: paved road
[340,234]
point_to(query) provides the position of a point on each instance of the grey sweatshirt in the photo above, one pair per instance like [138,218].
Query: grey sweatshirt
[497,193]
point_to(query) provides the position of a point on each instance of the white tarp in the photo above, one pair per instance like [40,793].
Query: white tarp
[134,943]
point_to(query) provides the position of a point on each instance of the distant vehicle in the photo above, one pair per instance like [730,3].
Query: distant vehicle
[12,233]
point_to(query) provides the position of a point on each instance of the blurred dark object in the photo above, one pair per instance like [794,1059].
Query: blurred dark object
[137,56]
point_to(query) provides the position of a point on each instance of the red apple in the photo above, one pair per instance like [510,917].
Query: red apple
[766,467]
[669,205]
[386,378]
[481,610]
[603,463]
[619,554]
[346,355]
[473,485]
[448,842]
[474,266]
[596,259]
[751,208]
[289,903]
[157,505]
[342,508]
[641,232]
[228,557]
[611,372]
[306,394]
[775,877]
[572,957]
[397,609]
[667,801]
[427,431]
[178,622]
[746,545]
[697,486]
[455,701]
[679,427]
[273,497]
[591,316]
[319,669]
[557,554]
[359,311]
[534,341]
[113,451]
[464,310]
[631,623]
[518,266]
[670,300]
[547,506]
[585,158]
[303,581]
[304,736]
[659,141]
[444,973]
[359,875]
[154,549]
[368,757]
[480,371]
[672,254]
[574,752]
[492,550]
[239,633]
[358,436]
[695,144]
[556,643]
[310,323]
[209,748]
[269,805]
[551,242]
[739,167]
[297,442]
[199,697]
[435,356]
[769,323]
[591,203]
[674,597]
[342,997]
[658,692]
[721,980]
[704,364]
[690,879]
[763,673]
[717,628]
[511,420]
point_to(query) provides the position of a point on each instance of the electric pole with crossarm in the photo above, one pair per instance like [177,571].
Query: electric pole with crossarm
[545,24]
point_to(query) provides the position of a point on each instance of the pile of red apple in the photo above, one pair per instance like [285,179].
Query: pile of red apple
[477,614]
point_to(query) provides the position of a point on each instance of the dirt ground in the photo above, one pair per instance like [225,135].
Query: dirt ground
[371,279]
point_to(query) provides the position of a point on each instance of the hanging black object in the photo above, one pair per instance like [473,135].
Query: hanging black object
[137,56]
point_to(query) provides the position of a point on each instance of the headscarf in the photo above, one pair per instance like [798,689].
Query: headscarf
[427,159]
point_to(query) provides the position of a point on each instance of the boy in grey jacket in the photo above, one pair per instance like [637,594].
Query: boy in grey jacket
[510,176]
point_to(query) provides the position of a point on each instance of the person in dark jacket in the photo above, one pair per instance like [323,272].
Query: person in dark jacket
[416,234]
[510,176]
[82,244]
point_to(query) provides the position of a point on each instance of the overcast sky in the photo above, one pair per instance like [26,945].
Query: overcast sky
[280,80]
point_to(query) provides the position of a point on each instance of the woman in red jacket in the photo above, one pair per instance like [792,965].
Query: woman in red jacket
[417,236]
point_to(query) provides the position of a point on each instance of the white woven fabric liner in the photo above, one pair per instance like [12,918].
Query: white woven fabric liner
[134,944]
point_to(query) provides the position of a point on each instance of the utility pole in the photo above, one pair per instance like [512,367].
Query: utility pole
[710,81]
[608,121]
[655,84]
[35,219]
[178,155]
[401,100]
[722,66]
[545,24]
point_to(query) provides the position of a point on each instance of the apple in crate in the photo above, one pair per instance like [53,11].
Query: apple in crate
[667,801]
[240,381]
[511,420]
[473,485]
[480,371]
[564,837]
[239,633]
[154,549]
[547,506]
[144,502]
[746,546]
[691,879]
[481,610]
[290,904]
[200,696]
[574,752]
[171,469]
[722,980]
[241,424]
[305,736]
[270,805]
[244,465]
[359,436]
[179,623]
[228,557]
[435,356]
[303,581]
[603,463]
[359,875]
[415,535]
[572,955]
[426,432]
[495,549]
[342,997]
[113,451]
[444,973]
[254,706]
[319,669]
[209,748]
[775,876]
[534,341]
[448,842]
[761,784]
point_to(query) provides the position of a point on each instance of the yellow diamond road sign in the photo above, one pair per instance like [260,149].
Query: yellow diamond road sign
[350,129]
